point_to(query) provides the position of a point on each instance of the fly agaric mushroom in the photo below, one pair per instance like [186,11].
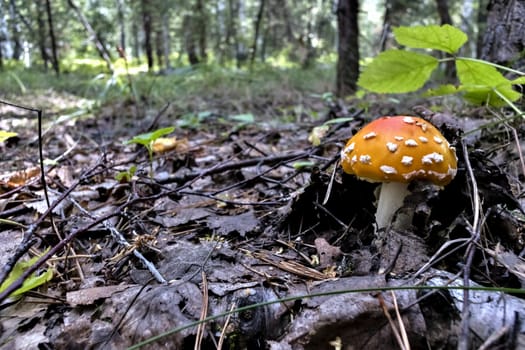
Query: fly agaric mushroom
[395,151]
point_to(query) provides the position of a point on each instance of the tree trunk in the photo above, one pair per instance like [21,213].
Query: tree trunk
[348,50]
[159,52]
[504,41]
[54,53]
[166,47]
[15,31]
[201,28]
[482,25]
[121,24]
[443,12]
[135,44]
[444,16]
[240,49]
[189,40]
[99,45]
[42,34]
[258,22]
[147,25]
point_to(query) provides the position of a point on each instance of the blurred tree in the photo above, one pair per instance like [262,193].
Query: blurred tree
[444,16]
[54,49]
[15,31]
[121,23]
[257,30]
[146,8]
[482,25]
[348,50]
[99,44]
[42,34]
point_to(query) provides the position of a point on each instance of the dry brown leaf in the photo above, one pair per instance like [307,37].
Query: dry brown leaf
[19,178]
[166,144]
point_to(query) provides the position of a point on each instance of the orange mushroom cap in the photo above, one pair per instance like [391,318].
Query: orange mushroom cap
[400,149]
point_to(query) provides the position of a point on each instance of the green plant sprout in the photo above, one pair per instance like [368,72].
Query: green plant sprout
[147,140]
[127,175]
[402,71]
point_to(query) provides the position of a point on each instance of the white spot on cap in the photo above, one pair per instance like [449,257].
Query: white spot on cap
[438,140]
[439,176]
[414,174]
[411,143]
[365,159]
[392,147]
[406,160]
[354,159]
[343,154]
[423,139]
[423,126]
[409,120]
[350,147]
[432,158]
[399,138]
[370,135]
[388,170]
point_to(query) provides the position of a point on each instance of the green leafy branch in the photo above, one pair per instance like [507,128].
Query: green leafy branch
[402,71]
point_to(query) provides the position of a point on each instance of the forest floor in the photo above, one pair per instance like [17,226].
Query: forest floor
[243,218]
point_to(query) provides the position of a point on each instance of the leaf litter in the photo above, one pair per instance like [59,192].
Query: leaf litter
[256,213]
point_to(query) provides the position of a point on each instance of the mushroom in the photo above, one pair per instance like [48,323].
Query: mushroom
[395,151]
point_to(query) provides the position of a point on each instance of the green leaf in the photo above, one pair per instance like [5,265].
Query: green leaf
[520,80]
[444,38]
[246,118]
[147,138]
[125,176]
[4,135]
[301,165]
[31,282]
[397,71]
[480,80]
[441,90]
[338,120]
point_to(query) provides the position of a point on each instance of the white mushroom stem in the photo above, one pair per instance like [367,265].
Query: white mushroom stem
[391,197]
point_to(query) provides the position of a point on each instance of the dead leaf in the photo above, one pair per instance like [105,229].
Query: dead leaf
[242,224]
[19,178]
[89,295]
[328,254]
[166,144]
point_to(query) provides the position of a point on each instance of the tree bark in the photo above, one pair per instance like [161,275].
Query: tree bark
[258,22]
[348,50]
[99,45]
[54,54]
[504,41]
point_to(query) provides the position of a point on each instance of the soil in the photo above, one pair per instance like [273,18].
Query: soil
[253,228]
